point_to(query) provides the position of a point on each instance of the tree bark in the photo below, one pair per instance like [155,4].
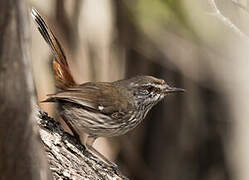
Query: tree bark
[69,159]
[21,155]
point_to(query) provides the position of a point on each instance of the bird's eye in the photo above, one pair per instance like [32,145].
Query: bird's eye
[150,88]
[144,91]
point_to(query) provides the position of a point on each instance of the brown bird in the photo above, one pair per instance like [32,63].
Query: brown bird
[100,109]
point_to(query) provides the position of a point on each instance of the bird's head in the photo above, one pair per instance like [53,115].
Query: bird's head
[148,90]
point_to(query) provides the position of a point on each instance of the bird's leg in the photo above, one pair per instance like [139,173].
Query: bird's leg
[89,144]
[76,135]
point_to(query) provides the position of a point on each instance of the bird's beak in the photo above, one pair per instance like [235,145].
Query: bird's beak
[173,90]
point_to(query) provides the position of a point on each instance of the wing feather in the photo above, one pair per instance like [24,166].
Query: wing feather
[101,97]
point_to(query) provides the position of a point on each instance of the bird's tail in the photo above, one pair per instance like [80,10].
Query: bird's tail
[63,76]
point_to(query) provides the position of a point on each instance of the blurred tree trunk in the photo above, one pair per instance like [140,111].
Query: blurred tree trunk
[21,155]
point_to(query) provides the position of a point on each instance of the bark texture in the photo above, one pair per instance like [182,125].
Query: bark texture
[67,158]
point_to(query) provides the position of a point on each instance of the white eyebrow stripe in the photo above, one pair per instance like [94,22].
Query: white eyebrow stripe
[160,86]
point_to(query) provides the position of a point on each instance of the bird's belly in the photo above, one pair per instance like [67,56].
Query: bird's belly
[99,124]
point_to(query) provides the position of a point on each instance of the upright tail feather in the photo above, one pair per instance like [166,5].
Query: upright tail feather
[63,76]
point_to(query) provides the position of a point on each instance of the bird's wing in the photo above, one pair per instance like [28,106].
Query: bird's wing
[101,97]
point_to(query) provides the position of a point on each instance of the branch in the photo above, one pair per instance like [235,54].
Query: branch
[67,158]
[235,2]
[226,20]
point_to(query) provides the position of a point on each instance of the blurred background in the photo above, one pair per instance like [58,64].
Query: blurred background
[201,46]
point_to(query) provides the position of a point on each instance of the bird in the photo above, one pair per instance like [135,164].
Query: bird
[100,109]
